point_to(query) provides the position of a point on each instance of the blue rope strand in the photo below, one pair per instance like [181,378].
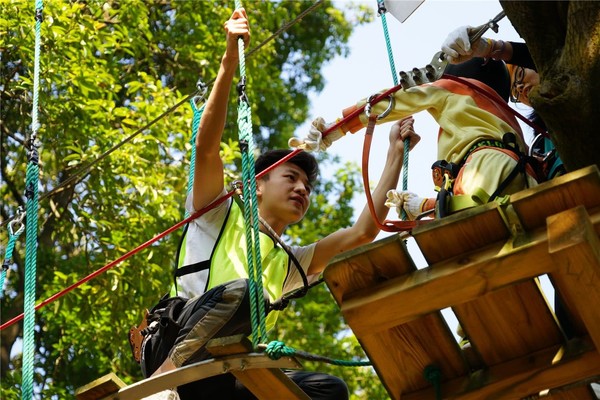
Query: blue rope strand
[195,124]
[250,205]
[32,224]
[388,44]
[12,240]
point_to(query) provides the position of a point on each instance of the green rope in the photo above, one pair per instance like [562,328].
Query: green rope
[382,11]
[12,240]
[32,224]
[433,374]
[257,307]
[276,349]
[195,124]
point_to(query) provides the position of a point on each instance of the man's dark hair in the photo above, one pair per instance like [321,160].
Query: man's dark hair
[304,160]
[491,72]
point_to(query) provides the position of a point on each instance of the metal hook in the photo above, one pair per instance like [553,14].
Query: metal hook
[383,114]
[17,220]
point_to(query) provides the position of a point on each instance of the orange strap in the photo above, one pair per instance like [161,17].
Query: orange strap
[387,226]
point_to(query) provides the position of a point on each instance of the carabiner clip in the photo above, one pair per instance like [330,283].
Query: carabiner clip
[17,221]
[237,186]
[383,114]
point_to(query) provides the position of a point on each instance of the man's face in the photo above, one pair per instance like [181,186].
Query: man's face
[522,81]
[284,194]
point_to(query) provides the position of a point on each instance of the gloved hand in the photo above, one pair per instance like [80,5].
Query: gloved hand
[458,47]
[410,202]
[315,141]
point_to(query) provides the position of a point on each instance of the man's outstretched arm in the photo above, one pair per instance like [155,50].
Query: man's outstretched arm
[208,171]
[365,230]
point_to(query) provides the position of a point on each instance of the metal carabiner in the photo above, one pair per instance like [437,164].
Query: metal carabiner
[383,114]
[17,220]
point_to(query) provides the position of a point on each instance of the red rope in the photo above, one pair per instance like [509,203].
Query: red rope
[110,265]
[394,89]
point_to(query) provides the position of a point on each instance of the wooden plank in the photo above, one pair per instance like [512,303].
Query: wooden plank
[581,187]
[366,266]
[572,239]
[460,233]
[579,392]
[384,266]
[519,378]
[493,321]
[202,370]
[263,383]
[448,283]
[399,354]
[101,388]
[229,345]
[510,322]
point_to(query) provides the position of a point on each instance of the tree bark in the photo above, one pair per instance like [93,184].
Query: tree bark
[564,40]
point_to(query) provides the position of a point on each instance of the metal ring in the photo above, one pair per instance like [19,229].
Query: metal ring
[383,114]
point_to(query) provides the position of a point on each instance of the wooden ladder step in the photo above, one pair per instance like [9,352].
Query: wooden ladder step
[103,388]
[264,383]
[233,355]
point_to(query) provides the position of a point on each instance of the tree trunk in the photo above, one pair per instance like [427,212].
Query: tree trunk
[564,40]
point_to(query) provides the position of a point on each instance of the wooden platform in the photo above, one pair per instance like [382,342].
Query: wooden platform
[483,263]
[256,371]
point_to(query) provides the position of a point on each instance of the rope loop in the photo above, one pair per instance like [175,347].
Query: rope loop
[17,221]
[276,349]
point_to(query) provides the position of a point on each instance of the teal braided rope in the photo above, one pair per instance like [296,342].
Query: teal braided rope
[12,240]
[2,279]
[276,349]
[388,44]
[252,228]
[32,225]
[195,124]
[30,280]
[433,374]
[257,307]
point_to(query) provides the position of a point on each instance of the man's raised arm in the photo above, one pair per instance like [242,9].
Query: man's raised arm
[208,171]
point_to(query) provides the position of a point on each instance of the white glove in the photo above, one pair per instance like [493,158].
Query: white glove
[315,141]
[410,202]
[458,47]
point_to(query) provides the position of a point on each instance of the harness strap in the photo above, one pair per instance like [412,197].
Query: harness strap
[477,145]
[387,226]
[190,269]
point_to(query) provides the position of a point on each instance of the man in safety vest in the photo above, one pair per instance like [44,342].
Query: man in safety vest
[214,272]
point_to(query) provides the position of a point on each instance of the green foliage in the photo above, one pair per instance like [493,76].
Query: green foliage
[107,69]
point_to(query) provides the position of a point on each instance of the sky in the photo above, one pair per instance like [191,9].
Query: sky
[367,70]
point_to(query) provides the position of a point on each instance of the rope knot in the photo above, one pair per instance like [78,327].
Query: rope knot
[276,349]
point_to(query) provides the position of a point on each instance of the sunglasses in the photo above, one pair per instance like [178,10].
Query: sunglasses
[518,77]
